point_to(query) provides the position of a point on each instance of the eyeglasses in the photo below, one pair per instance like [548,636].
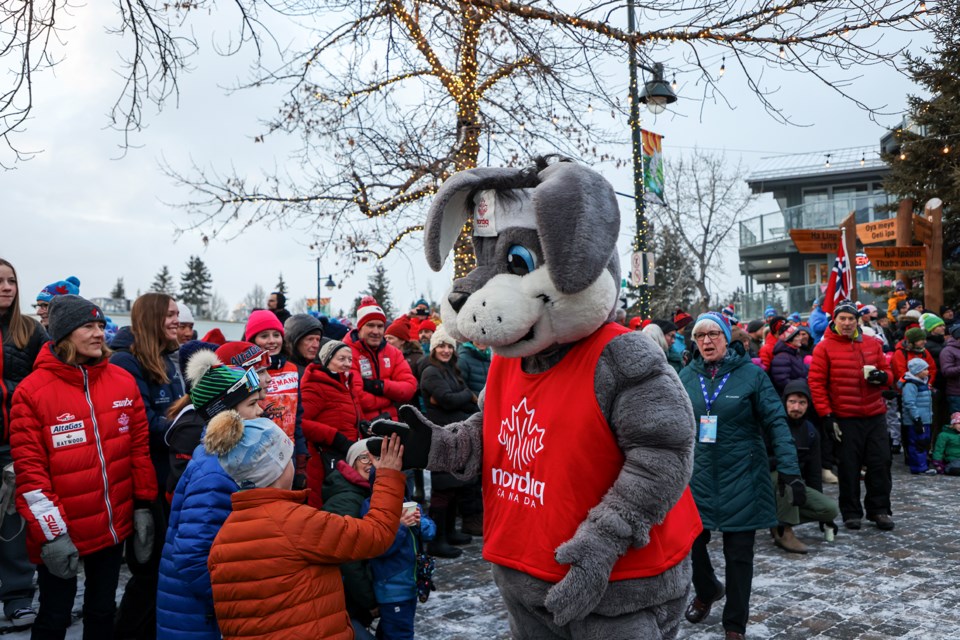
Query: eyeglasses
[363,458]
[713,335]
[41,305]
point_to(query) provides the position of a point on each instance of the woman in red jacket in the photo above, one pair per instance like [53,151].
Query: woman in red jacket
[80,446]
[330,414]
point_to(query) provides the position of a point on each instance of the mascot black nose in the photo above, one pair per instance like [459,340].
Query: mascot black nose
[457,299]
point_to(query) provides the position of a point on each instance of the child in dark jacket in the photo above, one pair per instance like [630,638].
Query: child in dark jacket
[395,572]
[917,414]
[946,452]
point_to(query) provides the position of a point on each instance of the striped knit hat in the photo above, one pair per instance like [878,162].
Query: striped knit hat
[216,387]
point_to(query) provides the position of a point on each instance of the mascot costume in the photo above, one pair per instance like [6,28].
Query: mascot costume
[584,440]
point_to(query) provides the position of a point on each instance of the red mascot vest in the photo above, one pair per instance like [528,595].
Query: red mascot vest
[549,457]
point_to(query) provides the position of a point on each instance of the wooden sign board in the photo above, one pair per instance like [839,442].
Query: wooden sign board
[879,231]
[815,240]
[897,258]
[922,230]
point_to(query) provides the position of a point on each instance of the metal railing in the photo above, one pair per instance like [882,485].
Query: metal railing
[789,299]
[771,227]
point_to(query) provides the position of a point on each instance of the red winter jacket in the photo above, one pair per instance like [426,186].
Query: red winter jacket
[328,409]
[901,356]
[388,365]
[79,439]
[836,376]
[766,350]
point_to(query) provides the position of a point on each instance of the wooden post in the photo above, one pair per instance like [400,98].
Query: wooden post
[904,232]
[933,274]
[849,225]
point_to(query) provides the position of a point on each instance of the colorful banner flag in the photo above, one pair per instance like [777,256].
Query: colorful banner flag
[652,167]
[840,283]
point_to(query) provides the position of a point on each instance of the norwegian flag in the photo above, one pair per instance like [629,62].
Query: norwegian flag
[840,284]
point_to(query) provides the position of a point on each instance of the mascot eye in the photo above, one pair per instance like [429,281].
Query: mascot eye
[520,260]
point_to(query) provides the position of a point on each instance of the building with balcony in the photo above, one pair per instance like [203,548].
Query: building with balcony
[815,190]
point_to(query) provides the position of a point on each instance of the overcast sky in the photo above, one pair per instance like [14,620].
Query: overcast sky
[79,208]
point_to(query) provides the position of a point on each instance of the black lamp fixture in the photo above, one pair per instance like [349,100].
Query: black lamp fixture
[656,93]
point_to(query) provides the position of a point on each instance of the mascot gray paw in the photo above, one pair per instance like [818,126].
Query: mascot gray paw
[591,553]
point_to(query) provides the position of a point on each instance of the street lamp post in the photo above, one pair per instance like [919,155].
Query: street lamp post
[329,284]
[656,95]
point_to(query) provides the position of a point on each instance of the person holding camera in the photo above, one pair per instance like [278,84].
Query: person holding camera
[847,379]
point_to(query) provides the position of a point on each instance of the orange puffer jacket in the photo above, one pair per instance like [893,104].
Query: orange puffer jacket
[274,565]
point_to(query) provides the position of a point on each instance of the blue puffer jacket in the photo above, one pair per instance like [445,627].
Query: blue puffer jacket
[917,400]
[395,572]
[474,365]
[201,503]
[157,398]
[819,321]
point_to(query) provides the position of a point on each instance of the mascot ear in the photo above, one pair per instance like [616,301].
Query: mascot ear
[578,221]
[449,211]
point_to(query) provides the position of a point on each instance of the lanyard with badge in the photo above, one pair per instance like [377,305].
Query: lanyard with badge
[708,423]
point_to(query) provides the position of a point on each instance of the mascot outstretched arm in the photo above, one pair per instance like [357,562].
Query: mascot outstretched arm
[584,441]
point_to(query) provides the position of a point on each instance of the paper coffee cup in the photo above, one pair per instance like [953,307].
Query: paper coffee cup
[409,508]
[868,369]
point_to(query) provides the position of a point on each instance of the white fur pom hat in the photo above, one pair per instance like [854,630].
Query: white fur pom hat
[440,336]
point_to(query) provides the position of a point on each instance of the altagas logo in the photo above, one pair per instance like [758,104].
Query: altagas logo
[521,435]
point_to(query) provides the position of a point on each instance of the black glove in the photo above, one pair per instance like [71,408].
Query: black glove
[364,428]
[373,386]
[877,376]
[918,426]
[831,428]
[889,394]
[798,489]
[416,442]
[340,443]
[299,482]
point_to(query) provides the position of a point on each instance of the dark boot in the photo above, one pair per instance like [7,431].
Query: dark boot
[454,536]
[473,524]
[439,546]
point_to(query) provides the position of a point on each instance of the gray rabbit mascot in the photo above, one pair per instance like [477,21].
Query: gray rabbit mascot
[588,519]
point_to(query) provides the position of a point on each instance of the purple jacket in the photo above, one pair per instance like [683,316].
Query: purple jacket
[950,367]
[787,365]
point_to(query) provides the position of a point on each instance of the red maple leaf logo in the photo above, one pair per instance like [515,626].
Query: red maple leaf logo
[520,434]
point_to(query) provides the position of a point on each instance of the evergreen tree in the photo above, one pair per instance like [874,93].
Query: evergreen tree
[675,281]
[195,285]
[163,283]
[281,286]
[118,292]
[379,287]
[927,163]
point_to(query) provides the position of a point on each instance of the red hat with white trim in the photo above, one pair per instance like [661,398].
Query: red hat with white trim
[370,311]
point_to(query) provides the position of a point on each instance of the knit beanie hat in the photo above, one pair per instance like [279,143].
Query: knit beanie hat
[400,328]
[955,330]
[930,321]
[913,303]
[913,314]
[665,325]
[730,312]
[776,324]
[440,336]
[716,318]
[328,350]
[769,312]
[794,317]
[789,332]
[252,452]
[70,286]
[681,318]
[261,320]
[299,326]
[427,325]
[215,336]
[916,365]
[357,449]
[369,311]
[69,312]
[186,316]
[421,302]
[244,354]
[846,306]
[189,349]
[955,417]
[867,309]
[915,334]
[215,387]
[635,323]
[899,286]
[754,326]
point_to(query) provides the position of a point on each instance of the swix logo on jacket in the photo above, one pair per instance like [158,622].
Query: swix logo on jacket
[120,404]
[549,457]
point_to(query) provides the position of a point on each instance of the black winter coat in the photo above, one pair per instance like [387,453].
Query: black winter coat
[17,365]
[445,395]
[787,365]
